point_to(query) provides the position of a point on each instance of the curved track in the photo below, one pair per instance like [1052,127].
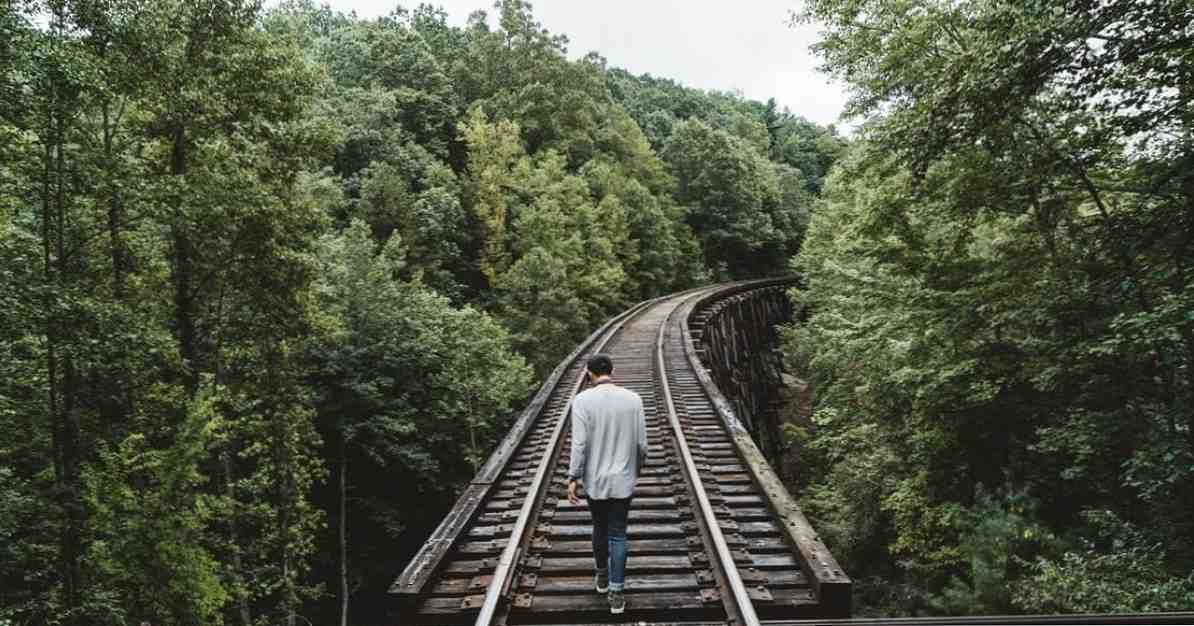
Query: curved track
[706,544]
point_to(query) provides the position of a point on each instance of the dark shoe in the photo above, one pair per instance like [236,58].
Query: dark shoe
[617,602]
[602,581]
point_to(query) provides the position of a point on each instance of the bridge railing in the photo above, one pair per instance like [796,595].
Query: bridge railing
[830,584]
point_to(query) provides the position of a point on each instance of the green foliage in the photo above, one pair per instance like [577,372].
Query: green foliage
[406,385]
[253,261]
[998,532]
[732,197]
[402,362]
[994,279]
[149,514]
[1118,568]
[494,151]
[567,263]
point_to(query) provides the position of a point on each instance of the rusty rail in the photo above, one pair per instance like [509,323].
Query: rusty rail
[743,606]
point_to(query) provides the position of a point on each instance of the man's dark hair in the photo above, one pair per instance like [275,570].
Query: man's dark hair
[601,365]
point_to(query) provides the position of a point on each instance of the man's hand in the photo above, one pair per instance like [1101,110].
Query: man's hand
[572,497]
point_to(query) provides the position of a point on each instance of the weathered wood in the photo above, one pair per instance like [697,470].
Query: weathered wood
[636,504]
[596,603]
[636,516]
[775,560]
[637,547]
[638,584]
[634,564]
[633,531]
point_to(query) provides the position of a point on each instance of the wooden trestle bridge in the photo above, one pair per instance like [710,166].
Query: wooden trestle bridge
[715,538]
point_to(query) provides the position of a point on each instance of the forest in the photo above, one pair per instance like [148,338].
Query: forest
[999,296]
[274,279]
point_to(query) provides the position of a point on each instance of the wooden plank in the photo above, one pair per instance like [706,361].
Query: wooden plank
[668,502]
[480,547]
[636,515]
[751,500]
[445,605]
[471,567]
[445,586]
[763,561]
[763,545]
[654,583]
[793,596]
[633,531]
[785,578]
[737,489]
[750,514]
[638,547]
[634,564]
[757,528]
[636,603]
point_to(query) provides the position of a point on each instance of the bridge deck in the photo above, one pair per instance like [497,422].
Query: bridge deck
[712,539]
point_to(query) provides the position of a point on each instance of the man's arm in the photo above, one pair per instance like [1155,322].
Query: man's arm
[580,449]
[641,427]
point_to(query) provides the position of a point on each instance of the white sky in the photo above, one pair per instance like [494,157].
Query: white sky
[745,45]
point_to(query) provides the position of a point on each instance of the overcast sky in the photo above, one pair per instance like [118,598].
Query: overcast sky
[744,45]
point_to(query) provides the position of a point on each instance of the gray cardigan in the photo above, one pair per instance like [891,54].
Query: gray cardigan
[609,441]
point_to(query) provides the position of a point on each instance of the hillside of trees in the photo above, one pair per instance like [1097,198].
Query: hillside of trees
[273,282]
[1000,299]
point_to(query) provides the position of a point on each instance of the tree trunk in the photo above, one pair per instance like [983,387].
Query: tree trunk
[242,604]
[1187,329]
[115,217]
[184,304]
[343,534]
[57,429]
[59,367]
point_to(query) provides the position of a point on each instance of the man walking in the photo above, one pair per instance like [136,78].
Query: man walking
[609,447]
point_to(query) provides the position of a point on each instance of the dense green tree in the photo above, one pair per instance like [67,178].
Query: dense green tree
[731,196]
[566,249]
[998,280]
[494,151]
[398,377]
[121,365]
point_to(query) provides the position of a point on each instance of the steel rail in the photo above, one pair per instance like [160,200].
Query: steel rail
[510,554]
[1176,617]
[746,609]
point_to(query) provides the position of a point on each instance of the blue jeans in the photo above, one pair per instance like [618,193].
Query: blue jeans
[609,538]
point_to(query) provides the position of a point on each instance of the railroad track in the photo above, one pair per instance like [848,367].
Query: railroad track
[711,540]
